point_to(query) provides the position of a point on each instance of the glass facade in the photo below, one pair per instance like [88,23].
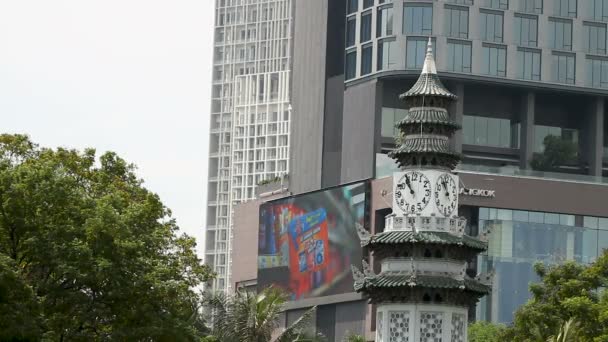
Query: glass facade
[418,19]
[597,72]
[565,8]
[387,54]
[461,2]
[494,62]
[540,132]
[350,65]
[366,27]
[352,6]
[366,59]
[415,52]
[459,56]
[526,30]
[598,10]
[519,239]
[351,31]
[595,37]
[486,131]
[384,22]
[560,34]
[491,26]
[563,67]
[457,21]
[390,117]
[528,61]
[531,6]
[498,4]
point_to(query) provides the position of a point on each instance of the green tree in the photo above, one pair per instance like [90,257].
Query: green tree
[485,332]
[19,310]
[247,316]
[558,152]
[100,253]
[569,292]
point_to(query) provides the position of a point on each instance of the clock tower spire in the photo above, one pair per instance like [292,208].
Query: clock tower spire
[422,291]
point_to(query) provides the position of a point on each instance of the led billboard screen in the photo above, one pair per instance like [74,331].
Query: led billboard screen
[308,242]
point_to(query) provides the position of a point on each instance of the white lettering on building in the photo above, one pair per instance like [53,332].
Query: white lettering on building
[478,192]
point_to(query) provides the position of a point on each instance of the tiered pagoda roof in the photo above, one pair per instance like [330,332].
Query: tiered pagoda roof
[427,127]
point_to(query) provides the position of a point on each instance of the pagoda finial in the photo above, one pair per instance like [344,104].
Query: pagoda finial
[429,60]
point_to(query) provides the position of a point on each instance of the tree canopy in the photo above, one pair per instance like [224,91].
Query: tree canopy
[558,152]
[570,300]
[88,253]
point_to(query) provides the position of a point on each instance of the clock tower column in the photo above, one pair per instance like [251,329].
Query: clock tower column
[422,291]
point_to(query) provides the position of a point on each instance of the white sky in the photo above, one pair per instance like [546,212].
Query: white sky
[130,76]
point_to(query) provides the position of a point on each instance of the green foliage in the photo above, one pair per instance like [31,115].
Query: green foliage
[19,310]
[276,179]
[558,152]
[92,254]
[354,338]
[569,301]
[485,332]
[247,316]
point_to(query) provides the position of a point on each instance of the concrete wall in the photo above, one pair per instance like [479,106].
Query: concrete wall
[245,242]
[361,130]
[308,94]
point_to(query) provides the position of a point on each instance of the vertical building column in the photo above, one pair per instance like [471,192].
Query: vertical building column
[596,132]
[457,111]
[526,147]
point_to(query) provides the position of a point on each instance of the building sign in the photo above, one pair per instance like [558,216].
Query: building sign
[478,192]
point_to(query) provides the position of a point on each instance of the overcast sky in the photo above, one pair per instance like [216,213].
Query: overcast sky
[130,76]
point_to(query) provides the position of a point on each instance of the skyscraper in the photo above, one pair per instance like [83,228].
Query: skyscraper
[250,114]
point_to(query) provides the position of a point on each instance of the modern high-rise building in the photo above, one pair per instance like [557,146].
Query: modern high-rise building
[250,114]
[531,77]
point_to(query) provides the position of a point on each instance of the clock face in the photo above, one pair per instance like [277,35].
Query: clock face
[413,192]
[446,194]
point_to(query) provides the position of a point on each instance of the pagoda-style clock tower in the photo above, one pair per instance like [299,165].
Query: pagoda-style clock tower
[422,292]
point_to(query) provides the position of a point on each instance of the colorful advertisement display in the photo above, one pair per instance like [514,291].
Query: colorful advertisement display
[308,242]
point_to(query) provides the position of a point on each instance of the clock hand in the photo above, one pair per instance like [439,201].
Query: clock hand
[409,185]
[445,186]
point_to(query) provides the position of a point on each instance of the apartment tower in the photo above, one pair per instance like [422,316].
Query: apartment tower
[250,114]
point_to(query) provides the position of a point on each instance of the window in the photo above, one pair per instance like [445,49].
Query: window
[457,21]
[498,4]
[384,22]
[368,3]
[491,26]
[531,6]
[595,38]
[526,30]
[494,60]
[352,6]
[486,131]
[528,61]
[541,132]
[387,54]
[418,19]
[366,27]
[350,65]
[416,51]
[351,31]
[459,56]
[366,60]
[390,117]
[461,2]
[565,8]
[560,34]
[597,72]
[563,67]
[598,10]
